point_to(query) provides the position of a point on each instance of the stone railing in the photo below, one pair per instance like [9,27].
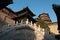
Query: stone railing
[39,32]
[30,24]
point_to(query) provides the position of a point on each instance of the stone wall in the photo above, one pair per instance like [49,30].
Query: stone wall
[24,32]
[5,18]
[54,28]
[9,21]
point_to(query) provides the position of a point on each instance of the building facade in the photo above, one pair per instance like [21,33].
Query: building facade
[10,17]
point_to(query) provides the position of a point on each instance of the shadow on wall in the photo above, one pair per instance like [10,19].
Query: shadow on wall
[22,33]
[49,36]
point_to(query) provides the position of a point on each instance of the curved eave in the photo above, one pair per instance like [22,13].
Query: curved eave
[4,3]
[24,10]
[56,8]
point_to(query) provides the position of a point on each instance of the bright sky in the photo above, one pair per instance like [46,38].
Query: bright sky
[36,6]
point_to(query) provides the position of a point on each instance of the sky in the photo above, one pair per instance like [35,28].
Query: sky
[36,6]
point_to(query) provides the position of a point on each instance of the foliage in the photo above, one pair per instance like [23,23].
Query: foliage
[42,24]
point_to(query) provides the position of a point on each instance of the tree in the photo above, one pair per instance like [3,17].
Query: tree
[42,24]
